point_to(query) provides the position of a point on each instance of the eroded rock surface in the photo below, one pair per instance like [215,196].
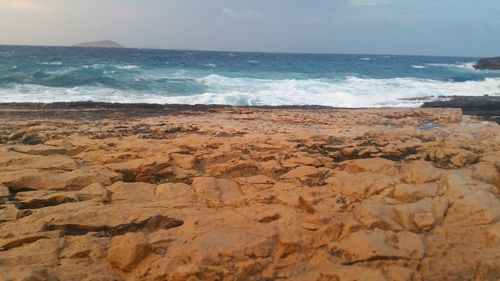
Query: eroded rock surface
[252,194]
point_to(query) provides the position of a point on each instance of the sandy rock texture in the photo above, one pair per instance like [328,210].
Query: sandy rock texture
[251,194]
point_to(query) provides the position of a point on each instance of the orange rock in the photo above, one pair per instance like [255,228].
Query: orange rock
[249,193]
[413,192]
[419,172]
[4,191]
[341,272]
[374,165]
[185,161]
[8,212]
[127,251]
[487,173]
[362,246]
[301,172]
[132,192]
[174,193]
[206,188]
[475,208]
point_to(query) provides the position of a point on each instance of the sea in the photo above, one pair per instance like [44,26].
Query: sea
[65,74]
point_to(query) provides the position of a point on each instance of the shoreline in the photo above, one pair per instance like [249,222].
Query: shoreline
[485,107]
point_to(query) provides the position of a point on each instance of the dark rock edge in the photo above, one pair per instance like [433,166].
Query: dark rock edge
[488,64]
[485,107]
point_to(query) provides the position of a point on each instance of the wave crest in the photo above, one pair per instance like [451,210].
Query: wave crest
[341,92]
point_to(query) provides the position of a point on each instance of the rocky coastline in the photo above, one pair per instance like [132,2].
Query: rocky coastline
[93,191]
[485,107]
[488,64]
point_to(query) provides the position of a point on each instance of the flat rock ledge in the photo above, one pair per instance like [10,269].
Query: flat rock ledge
[250,194]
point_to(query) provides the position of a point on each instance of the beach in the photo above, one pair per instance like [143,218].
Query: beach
[95,191]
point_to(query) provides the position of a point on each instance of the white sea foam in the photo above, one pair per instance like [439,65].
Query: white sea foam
[126,66]
[52,63]
[99,65]
[418,66]
[346,92]
[213,65]
[468,65]
[365,58]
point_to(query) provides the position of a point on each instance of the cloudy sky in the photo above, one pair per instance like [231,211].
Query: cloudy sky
[421,27]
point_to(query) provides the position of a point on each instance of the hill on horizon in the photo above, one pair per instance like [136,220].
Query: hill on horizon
[99,44]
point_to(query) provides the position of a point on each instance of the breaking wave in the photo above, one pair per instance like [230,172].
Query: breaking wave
[217,89]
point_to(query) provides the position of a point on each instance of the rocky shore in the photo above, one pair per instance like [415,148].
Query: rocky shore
[99,192]
[488,64]
[486,107]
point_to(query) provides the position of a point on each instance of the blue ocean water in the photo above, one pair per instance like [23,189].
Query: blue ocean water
[49,74]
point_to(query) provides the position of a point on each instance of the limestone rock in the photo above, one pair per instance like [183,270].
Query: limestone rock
[174,193]
[229,189]
[341,273]
[76,179]
[419,172]
[399,273]
[47,200]
[18,241]
[168,192]
[456,186]
[8,212]
[493,233]
[374,214]
[207,188]
[95,190]
[32,274]
[418,216]
[132,192]
[40,149]
[413,192]
[374,165]
[143,170]
[487,173]
[127,251]
[40,252]
[310,226]
[360,185]
[301,159]
[185,161]
[301,172]
[4,191]
[13,161]
[452,158]
[362,246]
[475,208]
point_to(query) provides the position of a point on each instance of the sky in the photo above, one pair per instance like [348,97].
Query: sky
[414,27]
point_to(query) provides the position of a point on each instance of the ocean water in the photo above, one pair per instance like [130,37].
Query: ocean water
[50,74]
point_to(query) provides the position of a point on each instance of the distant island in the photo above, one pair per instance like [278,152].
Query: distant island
[99,44]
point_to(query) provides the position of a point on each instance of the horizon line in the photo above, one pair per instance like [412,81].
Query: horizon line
[239,51]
